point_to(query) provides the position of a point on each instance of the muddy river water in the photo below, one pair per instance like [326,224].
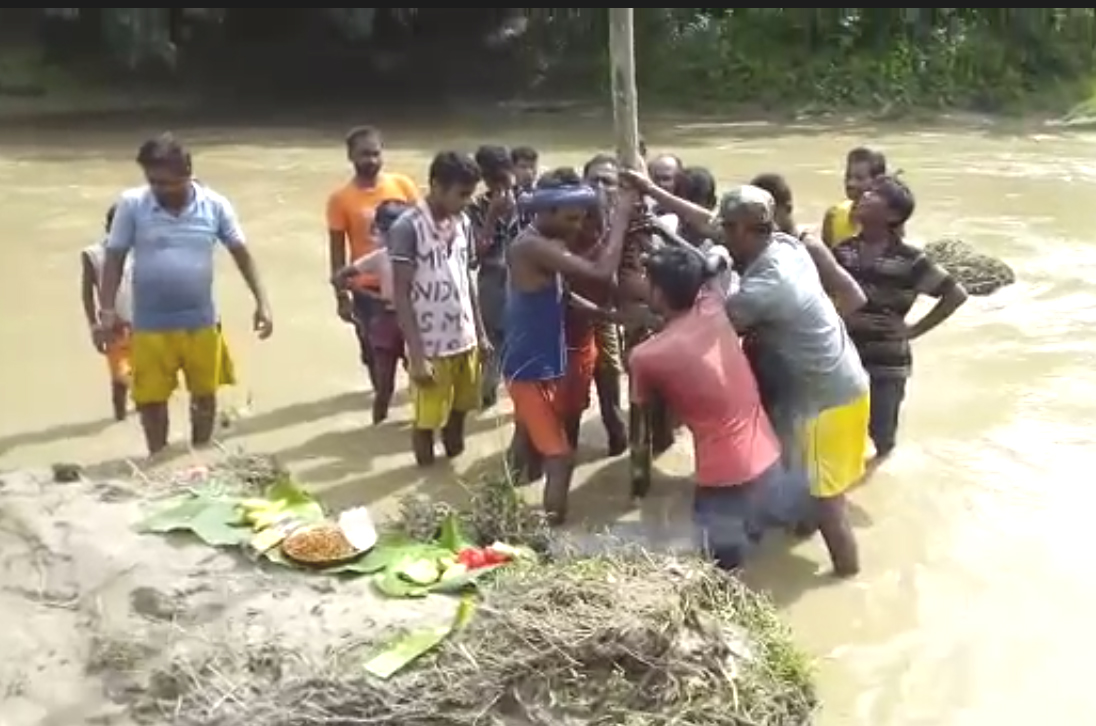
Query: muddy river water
[973,609]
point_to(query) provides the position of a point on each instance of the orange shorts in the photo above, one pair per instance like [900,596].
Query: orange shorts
[574,392]
[119,356]
[536,410]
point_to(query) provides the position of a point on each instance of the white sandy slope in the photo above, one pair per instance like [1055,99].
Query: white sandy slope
[98,618]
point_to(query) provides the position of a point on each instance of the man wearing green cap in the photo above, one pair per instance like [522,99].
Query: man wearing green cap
[805,363]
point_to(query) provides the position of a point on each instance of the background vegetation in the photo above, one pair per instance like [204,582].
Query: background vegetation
[979,58]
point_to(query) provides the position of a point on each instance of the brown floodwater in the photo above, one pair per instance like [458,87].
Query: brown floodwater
[973,608]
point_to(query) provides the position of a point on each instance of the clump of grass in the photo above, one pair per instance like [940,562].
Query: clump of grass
[627,639]
[116,654]
[494,512]
[979,273]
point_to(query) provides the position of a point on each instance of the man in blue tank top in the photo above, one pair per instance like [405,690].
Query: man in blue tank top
[534,359]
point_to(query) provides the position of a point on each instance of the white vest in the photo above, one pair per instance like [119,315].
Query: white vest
[123,302]
[441,295]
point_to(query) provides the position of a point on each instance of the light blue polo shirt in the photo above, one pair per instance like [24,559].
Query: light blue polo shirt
[173,255]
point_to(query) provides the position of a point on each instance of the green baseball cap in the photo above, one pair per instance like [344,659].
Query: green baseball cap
[746,202]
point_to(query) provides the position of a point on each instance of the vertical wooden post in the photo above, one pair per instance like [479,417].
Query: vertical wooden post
[626,127]
[625,104]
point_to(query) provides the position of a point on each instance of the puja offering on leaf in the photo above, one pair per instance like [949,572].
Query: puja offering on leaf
[357,525]
[261,514]
[269,538]
[319,544]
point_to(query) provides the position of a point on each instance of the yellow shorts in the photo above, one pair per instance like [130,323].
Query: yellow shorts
[456,387]
[160,356]
[836,448]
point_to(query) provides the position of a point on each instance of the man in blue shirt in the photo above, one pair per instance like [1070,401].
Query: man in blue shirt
[172,226]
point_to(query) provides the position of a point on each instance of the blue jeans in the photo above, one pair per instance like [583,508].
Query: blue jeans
[730,520]
[887,395]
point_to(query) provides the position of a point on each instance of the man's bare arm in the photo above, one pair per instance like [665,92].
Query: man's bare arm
[836,280]
[123,235]
[550,256]
[402,240]
[89,283]
[695,215]
[827,227]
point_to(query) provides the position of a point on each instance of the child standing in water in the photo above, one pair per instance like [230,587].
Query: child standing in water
[382,328]
[862,167]
[115,347]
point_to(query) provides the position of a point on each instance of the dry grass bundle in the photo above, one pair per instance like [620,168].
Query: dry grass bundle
[629,639]
[495,512]
[237,474]
[980,274]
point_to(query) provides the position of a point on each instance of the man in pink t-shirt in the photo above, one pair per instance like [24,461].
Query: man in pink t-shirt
[696,365]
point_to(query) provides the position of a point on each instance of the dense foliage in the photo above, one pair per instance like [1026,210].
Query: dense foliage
[975,57]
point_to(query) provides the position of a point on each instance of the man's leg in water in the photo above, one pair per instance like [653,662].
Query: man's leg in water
[607,379]
[206,366]
[364,308]
[835,451]
[887,395]
[155,357]
[536,413]
[385,363]
[573,397]
[119,363]
[430,408]
[463,376]
[662,427]
[492,371]
[386,343]
[727,520]
[491,287]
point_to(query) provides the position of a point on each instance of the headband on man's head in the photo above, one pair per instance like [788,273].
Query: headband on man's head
[571,195]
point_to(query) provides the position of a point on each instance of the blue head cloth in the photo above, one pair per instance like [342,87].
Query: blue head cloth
[575,195]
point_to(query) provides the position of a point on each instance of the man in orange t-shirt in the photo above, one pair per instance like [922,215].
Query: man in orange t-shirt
[350,211]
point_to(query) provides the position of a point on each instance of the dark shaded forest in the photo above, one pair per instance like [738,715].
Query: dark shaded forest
[981,58]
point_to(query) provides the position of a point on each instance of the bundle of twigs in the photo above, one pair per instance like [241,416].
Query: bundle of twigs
[629,639]
[979,273]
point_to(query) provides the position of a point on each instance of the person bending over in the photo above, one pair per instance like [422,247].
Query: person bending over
[695,364]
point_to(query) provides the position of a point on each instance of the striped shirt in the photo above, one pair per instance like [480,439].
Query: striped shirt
[891,281]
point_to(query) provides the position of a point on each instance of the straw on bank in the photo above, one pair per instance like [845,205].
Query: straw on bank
[628,639]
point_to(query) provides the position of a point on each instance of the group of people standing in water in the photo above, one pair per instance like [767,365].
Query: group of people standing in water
[780,350]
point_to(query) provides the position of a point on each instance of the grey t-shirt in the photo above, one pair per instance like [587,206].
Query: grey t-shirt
[780,299]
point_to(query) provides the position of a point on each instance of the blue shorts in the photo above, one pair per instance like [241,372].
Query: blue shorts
[730,520]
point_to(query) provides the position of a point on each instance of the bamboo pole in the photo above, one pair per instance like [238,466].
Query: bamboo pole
[626,131]
[625,103]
